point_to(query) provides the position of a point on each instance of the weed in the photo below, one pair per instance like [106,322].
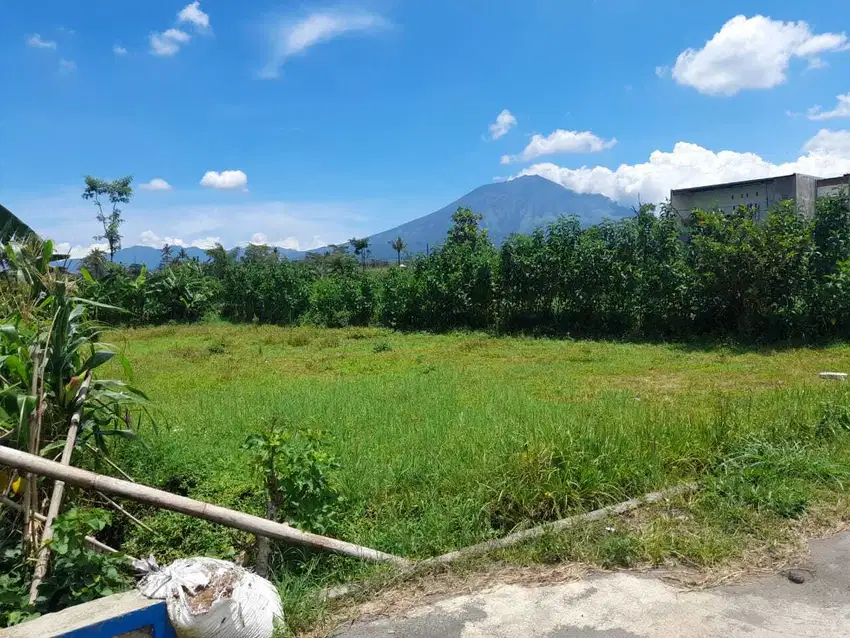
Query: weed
[330,341]
[299,339]
[219,346]
[619,550]
[381,346]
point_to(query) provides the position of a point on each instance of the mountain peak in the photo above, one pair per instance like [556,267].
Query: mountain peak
[518,205]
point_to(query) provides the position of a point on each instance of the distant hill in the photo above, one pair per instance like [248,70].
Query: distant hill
[517,206]
[152,257]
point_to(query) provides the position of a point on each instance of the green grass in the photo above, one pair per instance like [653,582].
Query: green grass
[447,440]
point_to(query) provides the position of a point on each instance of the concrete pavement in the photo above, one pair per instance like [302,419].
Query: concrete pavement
[628,605]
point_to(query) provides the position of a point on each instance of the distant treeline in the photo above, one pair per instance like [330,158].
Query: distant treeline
[743,276]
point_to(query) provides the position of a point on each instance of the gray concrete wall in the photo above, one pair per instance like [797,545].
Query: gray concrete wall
[725,199]
[806,192]
[834,186]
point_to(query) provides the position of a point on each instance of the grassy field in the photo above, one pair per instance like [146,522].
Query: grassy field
[447,440]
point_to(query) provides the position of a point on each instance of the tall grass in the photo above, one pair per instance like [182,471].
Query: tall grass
[448,440]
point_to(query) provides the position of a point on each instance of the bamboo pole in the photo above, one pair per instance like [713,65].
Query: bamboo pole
[198,509]
[91,540]
[342,591]
[560,525]
[126,513]
[58,491]
[30,486]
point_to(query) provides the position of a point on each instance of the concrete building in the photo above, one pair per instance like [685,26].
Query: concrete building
[762,194]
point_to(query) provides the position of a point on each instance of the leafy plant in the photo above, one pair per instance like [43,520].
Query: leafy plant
[79,573]
[297,474]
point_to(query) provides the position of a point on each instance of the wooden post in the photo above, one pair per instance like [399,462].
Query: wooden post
[58,491]
[198,509]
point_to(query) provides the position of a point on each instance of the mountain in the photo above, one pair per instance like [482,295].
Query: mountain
[152,257]
[517,206]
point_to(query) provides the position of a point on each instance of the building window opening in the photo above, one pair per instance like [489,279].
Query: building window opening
[733,197]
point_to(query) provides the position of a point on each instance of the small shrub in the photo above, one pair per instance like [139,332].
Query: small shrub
[296,471]
[78,573]
[381,346]
[330,341]
[219,346]
[299,339]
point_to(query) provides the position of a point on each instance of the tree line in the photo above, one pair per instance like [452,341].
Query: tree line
[739,275]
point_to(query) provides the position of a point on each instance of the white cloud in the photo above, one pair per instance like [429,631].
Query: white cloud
[225,180]
[35,41]
[156,184]
[842,109]
[827,142]
[78,251]
[151,239]
[168,42]
[290,243]
[505,121]
[662,71]
[561,141]
[192,13]
[119,50]
[751,53]
[826,154]
[304,225]
[67,66]
[292,38]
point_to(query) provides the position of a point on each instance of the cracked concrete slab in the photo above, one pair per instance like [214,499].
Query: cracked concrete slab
[628,605]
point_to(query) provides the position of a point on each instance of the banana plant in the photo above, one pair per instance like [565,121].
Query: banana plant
[52,321]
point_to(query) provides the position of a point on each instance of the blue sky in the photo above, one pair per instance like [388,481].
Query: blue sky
[302,124]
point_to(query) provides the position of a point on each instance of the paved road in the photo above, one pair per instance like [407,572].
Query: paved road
[625,605]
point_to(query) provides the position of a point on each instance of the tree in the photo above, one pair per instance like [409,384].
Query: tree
[166,255]
[182,256]
[398,245]
[259,254]
[95,263]
[117,192]
[361,248]
[465,230]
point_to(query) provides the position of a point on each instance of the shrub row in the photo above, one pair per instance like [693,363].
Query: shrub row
[716,274]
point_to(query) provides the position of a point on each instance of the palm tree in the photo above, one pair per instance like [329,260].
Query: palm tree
[182,256]
[398,245]
[361,248]
[166,255]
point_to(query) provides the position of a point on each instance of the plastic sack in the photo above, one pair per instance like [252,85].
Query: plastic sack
[211,598]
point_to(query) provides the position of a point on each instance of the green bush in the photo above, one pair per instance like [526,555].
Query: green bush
[341,300]
[78,574]
[745,275]
[296,471]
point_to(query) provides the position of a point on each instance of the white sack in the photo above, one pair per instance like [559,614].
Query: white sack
[211,598]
